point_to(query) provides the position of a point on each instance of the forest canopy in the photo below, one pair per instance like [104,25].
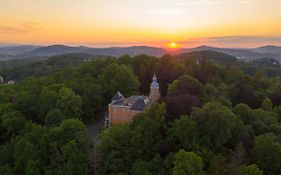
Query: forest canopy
[210,119]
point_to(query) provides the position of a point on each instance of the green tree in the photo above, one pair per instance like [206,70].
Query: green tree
[152,167]
[267,105]
[187,163]
[33,168]
[76,161]
[183,134]
[69,103]
[113,150]
[244,112]
[119,78]
[183,94]
[167,70]
[144,67]
[47,101]
[93,100]
[27,103]
[54,117]
[13,122]
[266,153]
[217,125]
[250,170]
[186,84]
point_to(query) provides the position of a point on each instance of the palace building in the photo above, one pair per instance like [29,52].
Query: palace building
[122,110]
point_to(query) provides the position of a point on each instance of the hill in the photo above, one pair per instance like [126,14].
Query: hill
[214,56]
[268,49]
[112,51]
[266,62]
[242,54]
[23,52]
[22,68]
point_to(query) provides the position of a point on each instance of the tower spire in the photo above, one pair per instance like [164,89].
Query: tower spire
[154,78]
[154,89]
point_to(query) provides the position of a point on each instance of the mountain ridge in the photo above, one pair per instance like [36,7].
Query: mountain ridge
[31,51]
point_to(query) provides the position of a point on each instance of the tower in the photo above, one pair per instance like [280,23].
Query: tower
[154,90]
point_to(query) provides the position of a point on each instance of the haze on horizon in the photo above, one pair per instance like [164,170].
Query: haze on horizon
[224,23]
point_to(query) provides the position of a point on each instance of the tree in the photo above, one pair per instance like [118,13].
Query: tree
[33,168]
[69,103]
[219,165]
[267,105]
[224,101]
[266,153]
[118,78]
[250,170]
[93,101]
[65,148]
[183,94]
[76,160]
[6,169]
[13,122]
[167,71]
[186,84]
[244,112]
[144,67]
[241,92]
[180,104]
[152,167]
[47,101]
[114,150]
[27,104]
[24,151]
[217,125]
[123,145]
[183,134]
[210,92]
[147,129]
[277,110]
[187,163]
[54,117]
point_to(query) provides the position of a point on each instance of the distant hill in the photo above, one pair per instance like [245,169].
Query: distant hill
[266,62]
[22,68]
[268,49]
[112,51]
[16,50]
[53,50]
[242,54]
[214,56]
[12,52]
[22,52]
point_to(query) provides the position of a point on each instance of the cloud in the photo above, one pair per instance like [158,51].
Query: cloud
[244,39]
[212,2]
[233,41]
[21,28]
[166,11]
[201,2]
[246,1]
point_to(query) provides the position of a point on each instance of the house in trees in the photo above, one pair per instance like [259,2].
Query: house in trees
[122,110]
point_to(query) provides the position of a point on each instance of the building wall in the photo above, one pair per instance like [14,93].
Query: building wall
[119,115]
[154,94]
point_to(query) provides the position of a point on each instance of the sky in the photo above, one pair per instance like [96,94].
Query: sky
[105,23]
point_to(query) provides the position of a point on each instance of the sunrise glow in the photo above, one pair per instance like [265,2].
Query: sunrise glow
[173,45]
[130,22]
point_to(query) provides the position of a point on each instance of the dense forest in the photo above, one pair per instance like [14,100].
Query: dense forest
[215,116]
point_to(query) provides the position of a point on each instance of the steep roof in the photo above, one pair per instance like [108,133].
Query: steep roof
[117,96]
[154,83]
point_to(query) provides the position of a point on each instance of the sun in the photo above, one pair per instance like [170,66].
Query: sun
[173,45]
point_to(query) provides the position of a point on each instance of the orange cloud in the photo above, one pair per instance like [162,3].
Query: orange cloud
[22,28]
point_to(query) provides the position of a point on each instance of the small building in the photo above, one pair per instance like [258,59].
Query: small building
[122,110]
[1,79]
[11,82]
